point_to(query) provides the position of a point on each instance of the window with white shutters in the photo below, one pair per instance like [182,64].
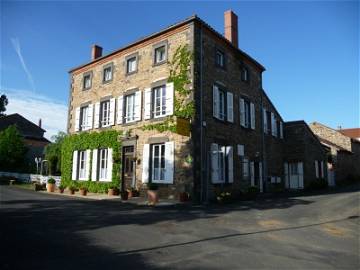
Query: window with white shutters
[221,164]
[105,113]
[130,108]
[159,101]
[230,107]
[103,164]
[247,114]
[162,163]
[84,114]
[82,165]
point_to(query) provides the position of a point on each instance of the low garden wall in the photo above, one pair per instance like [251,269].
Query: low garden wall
[28,178]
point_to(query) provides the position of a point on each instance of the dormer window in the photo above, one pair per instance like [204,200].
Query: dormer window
[244,74]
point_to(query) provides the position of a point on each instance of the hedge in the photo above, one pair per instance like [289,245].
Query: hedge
[85,141]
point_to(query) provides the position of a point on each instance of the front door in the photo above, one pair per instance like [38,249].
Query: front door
[128,167]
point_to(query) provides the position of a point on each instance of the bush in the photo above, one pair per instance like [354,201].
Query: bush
[62,187]
[51,181]
[152,186]
[317,184]
[224,197]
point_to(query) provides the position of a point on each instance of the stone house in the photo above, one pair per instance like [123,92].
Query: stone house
[234,139]
[344,153]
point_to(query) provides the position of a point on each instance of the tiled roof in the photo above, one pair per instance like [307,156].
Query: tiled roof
[353,133]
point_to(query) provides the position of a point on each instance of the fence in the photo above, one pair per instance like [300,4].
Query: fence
[28,178]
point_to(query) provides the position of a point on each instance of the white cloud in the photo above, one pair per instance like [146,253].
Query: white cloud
[34,106]
[16,44]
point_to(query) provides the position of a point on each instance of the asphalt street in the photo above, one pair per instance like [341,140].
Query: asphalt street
[41,231]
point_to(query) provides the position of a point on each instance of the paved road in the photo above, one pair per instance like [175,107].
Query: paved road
[40,231]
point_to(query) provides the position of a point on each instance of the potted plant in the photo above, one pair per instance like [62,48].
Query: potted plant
[72,189]
[83,190]
[184,196]
[133,192]
[152,193]
[50,185]
[124,195]
[113,191]
[61,188]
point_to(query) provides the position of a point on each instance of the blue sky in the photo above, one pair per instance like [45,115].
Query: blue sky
[310,50]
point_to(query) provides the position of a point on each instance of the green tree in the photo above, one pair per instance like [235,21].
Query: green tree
[12,150]
[53,153]
[3,102]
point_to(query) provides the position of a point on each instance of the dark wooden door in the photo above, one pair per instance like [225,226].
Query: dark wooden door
[128,167]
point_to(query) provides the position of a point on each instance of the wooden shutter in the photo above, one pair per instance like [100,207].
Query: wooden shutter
[245,168]
[252,115]
[230,107]
[120,110]
[90,116]
[286,172]
[145,163]
[301,175]
[214,163]
[138,106]
[74,165]
[77,119]
[147,103]
[281,130]
[87,168]
[230,158]
[265,121]
[275,127]
[109,164]
[252,173]
[316,169]
[97,115]
[169,162]
[169,99]
[261,185]
[240,150]
[272,124]
[112,112]
[94,165]
[242,112]
[216,102]
[322,169]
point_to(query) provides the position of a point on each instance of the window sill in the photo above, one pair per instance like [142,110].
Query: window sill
[159,63]
[131,73]
[106,82]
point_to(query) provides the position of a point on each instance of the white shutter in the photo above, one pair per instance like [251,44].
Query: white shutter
[273,179]
[170,98]
[261,177]
[281,130]
[278,179]
[169,162]
[90,116]
[138,106]
[214,163]
[245,168]
[216,102]
[109,164]
[286,172]
[94,165]
[74,165]
[252,115]
[147,103]
[145,163]
[301,174]
[77,119]
[97,115]
[230,107]
[240,150]
[120,110]
[275,127]
[242,112]
[265,121]
[252,173]
[322,169]
[272,124]
[112,112]
[229,154]
[87,168]
[316,169]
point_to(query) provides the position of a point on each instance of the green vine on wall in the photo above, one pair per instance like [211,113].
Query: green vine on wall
[85,141]
[180,68]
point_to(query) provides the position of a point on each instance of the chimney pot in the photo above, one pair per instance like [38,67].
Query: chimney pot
[39,122]
[231,27]
[96,52]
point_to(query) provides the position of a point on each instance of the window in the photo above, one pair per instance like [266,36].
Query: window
[247,113]
[244,74]
[103,163]
[160,54]
[130,108]
[131,65]
[222,104]
[293,168]
[220,59]
[84,114]
[82,165]
[222,111]
[87,81]
[268,117]
[221,164]
[107,73]
[105,113]
[159,101]
[245,170]
[158,162]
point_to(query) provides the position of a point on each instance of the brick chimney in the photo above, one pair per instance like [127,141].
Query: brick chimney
[39,122]
[96,52]
[231,27]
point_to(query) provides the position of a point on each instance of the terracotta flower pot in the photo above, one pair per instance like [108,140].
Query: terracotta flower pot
[153,196]
[61,190]
[111,192]
[72,191]
[50,187]
[83,192]
[183,197]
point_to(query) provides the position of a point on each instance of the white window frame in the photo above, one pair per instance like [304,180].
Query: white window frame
[221,104]
[105,73]
[131,65]
[103,164]
[159,111]
[161,162]
[105,113]
[84,115]
[87,78]
[130,113]
[158,60]
[82,156]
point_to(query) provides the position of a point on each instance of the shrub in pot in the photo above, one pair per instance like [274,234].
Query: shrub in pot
[61,188]
[133,192]
[152,193]
[113,191]
[51,185]
[83,190]
[72,189]
[184,196]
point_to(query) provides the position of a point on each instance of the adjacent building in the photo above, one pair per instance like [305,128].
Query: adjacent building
[236,138]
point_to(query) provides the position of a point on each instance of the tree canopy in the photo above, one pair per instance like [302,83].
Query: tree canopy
[3,103]
[53,153]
